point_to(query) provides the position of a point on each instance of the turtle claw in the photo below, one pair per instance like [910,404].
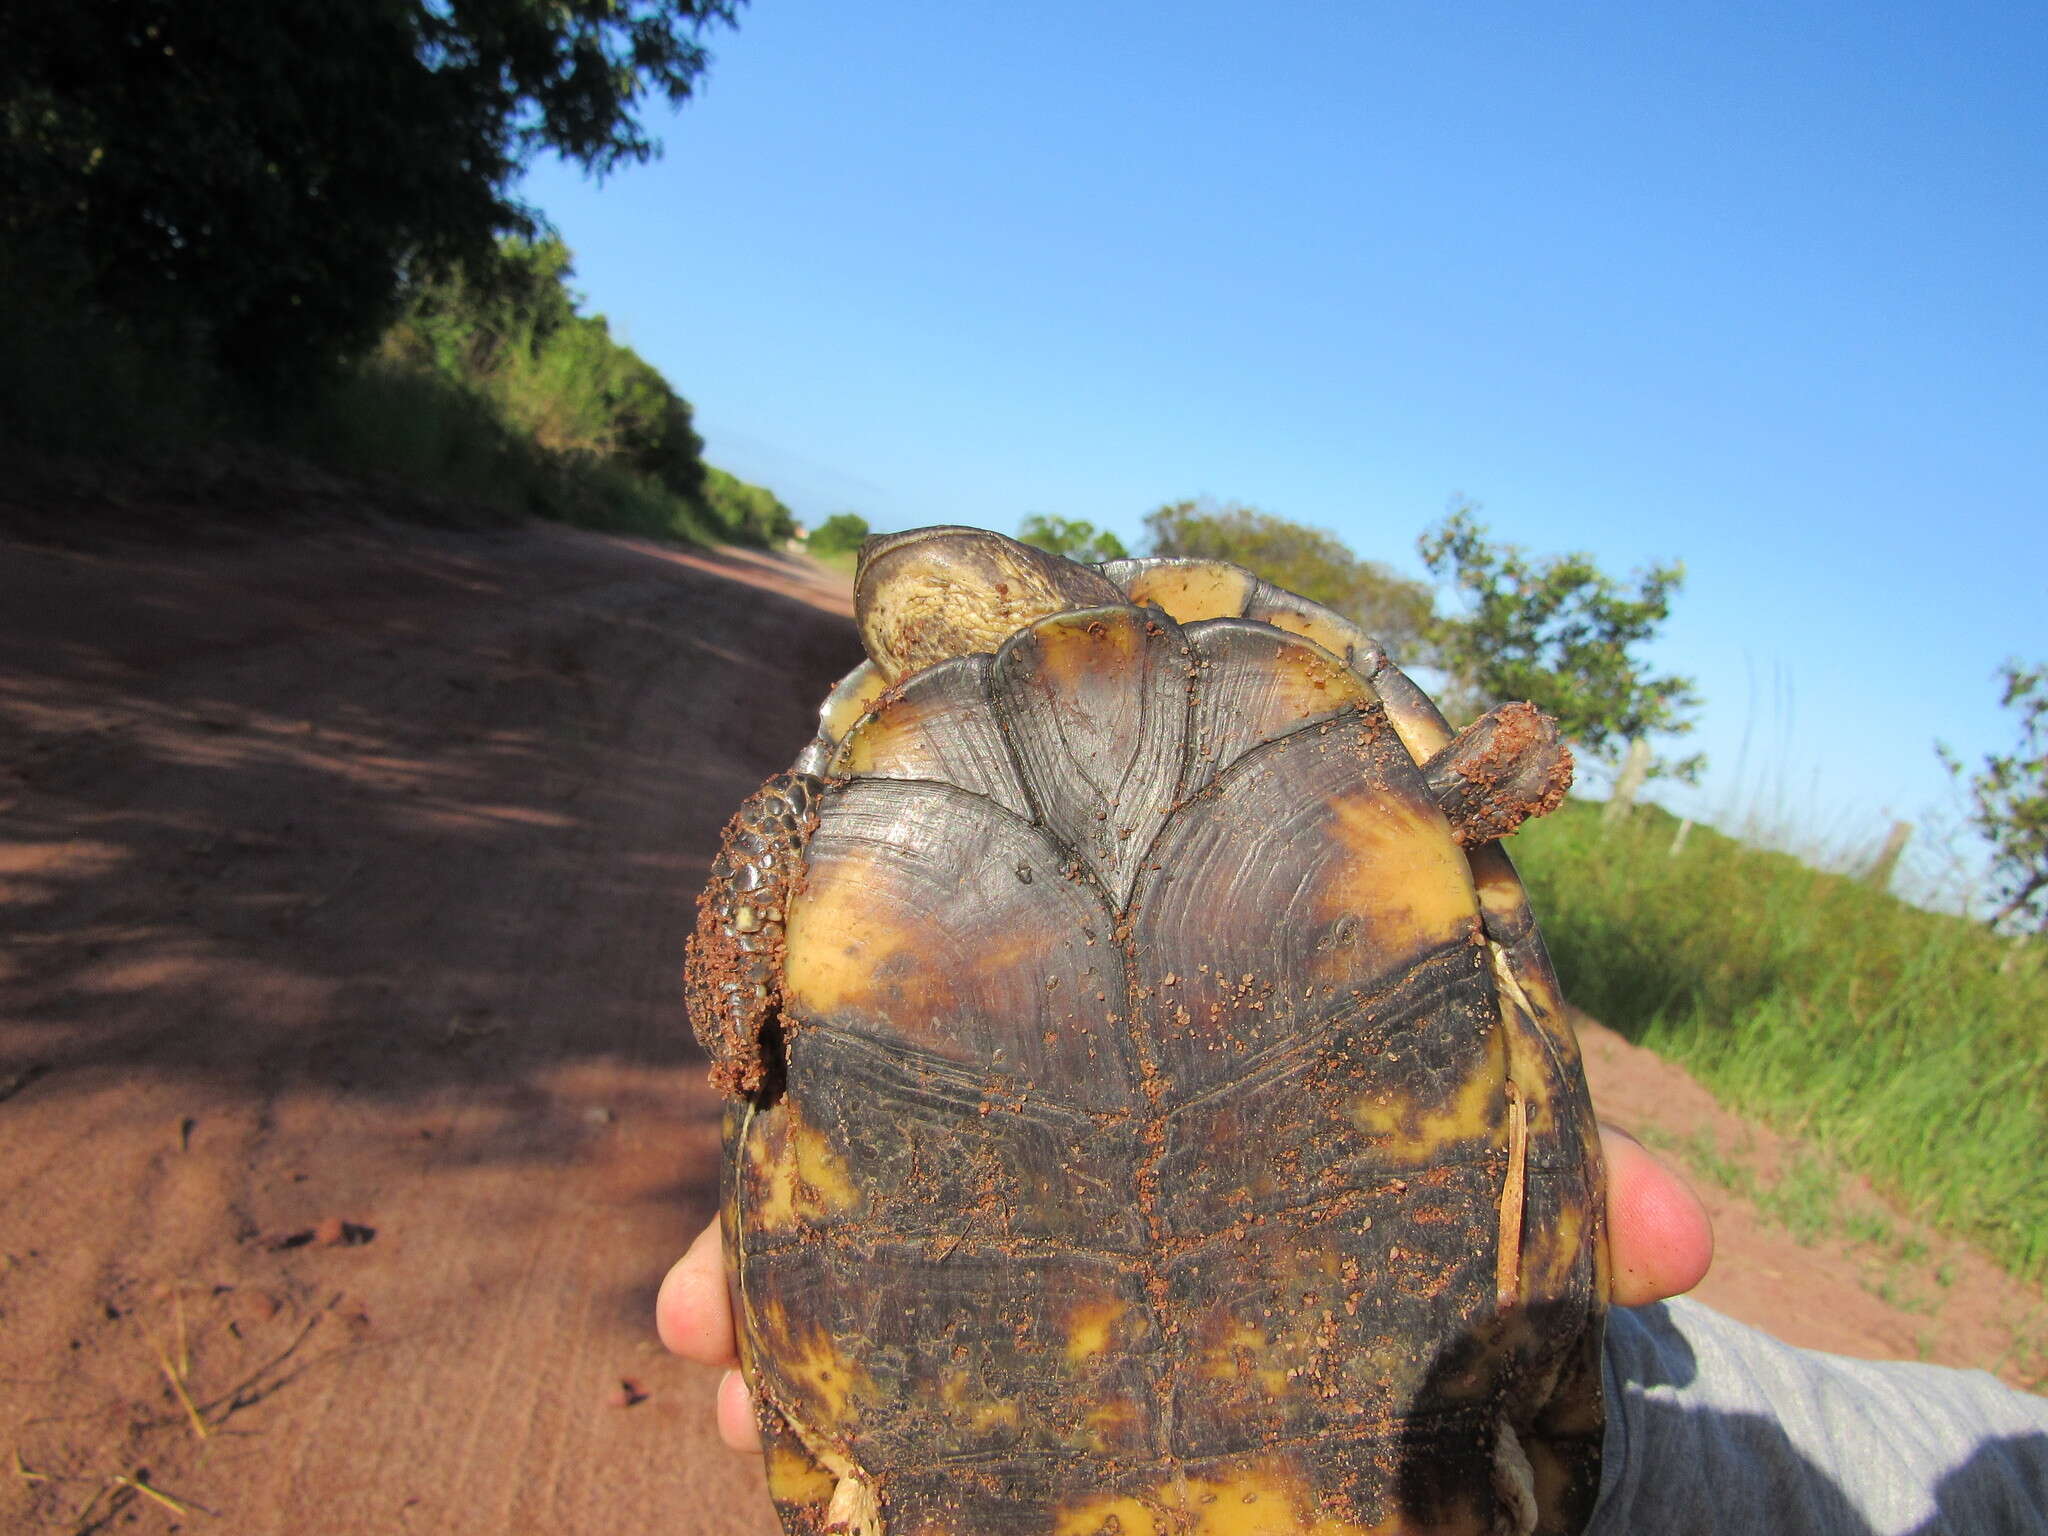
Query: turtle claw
[1505,767]
[732,972]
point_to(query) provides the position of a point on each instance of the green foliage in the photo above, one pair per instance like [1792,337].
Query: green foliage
[498,395]
[1072,538]
[2009,802]
[839,534]
[248,182]
[749,514]
[390,418]
[503,391]
[1559,632]
[556,374]
[1307,561]
[1905,1043]
[76,380]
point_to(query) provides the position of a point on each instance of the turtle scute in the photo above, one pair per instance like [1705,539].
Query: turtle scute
[1147,1117]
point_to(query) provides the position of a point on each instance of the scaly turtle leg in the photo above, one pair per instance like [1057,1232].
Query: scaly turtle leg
[732,971]
[1502,769]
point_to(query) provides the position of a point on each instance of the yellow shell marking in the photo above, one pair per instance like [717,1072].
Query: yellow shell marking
[825,1380]
[1105,1419]
[1202,590]
[854,697]
[1260,1499]
[1413,1136]
[799,1176]
[837,938]
[1089,1326]
[1132,1517]
[1333,634]
[955,1391]
[850,947]
[1078,648]
[1402,872]
[880,745]
[794,1478]
[1414,718]
[1230,1357]
[1301,684]
[990,1414]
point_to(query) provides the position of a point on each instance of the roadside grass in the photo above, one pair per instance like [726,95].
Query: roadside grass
[550,436]
[1808,1197]
[388,417]
[1905,1045]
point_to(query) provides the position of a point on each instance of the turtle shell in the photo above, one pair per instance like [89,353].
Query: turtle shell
[1166,1125]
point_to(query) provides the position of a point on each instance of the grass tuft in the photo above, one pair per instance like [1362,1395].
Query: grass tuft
[1903,1044]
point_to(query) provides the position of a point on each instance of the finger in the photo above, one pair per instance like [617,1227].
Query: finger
[1659,1234]
[693,1313]
[736,1424]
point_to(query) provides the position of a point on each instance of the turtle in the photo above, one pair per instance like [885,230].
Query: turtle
[1149,1107]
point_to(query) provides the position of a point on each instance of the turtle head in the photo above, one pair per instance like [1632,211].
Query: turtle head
[925,596]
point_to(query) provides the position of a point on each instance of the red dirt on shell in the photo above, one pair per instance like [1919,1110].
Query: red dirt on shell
[345,878]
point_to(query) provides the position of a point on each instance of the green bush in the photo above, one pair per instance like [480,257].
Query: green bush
[387,417]
[746,514]
[839,534]
[514,335]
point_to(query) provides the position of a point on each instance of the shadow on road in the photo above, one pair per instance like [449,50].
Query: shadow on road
[372,812]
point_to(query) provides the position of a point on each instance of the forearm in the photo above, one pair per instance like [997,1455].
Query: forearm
[1716,1427]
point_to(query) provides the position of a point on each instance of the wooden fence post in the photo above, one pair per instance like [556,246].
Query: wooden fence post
[1879,875]
[1634,769]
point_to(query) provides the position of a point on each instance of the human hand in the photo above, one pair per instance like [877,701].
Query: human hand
[1659,1239]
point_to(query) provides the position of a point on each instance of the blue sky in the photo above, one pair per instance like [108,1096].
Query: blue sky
[1759,287]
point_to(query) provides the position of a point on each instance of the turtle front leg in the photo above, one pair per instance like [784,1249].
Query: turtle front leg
[1505,767]
[732,967]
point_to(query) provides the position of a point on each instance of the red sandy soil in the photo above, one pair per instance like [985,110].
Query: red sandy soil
[347,1111]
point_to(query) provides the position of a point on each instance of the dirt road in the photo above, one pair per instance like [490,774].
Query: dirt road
[347,1114]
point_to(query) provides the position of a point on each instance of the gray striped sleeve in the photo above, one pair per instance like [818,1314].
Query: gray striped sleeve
[1715,1427]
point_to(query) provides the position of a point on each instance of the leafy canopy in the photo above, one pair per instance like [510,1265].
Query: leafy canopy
[1306,561]
[254,179]
[1559,632]
[1072,538]
[839,534]
[2009,802]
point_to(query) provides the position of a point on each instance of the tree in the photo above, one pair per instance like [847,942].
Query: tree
[255,179]
[1072,538]
[1560,633]
[1307,561]
[2009,796]
[839,534]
